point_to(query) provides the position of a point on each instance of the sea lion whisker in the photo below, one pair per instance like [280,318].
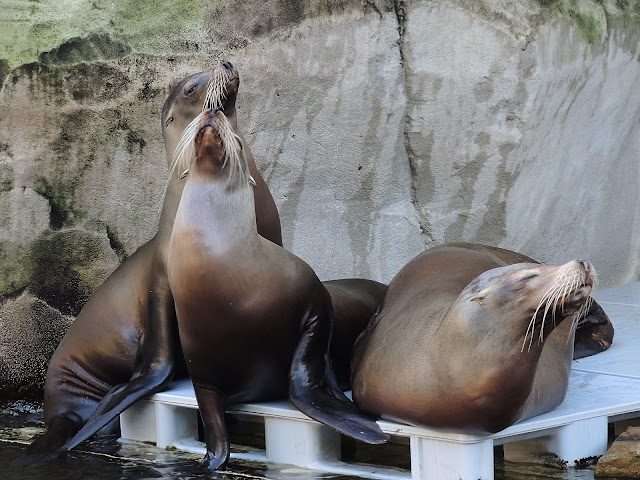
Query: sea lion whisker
[216,90]
[185,149]
[232,153]
[548,306]
[531,326]
[574,327]
[549,297]
[526,334]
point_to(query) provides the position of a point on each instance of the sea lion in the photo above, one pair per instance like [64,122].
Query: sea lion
[254,320]
[97,356]
[132,314]
[471,338]
[354,301]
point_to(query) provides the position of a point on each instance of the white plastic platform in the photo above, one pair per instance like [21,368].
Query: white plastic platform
[602,389]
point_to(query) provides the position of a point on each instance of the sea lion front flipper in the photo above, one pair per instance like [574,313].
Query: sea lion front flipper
[594,333]
[313,388]
[211,405]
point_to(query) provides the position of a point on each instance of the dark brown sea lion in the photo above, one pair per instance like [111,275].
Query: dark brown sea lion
[132,313]
[254,320]
[470,338]
[98,354]
[354,300]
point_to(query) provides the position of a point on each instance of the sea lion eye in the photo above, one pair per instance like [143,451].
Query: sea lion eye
[169,120]
[526,278]
[190,90]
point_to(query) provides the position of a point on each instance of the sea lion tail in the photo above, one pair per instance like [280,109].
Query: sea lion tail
[313,388]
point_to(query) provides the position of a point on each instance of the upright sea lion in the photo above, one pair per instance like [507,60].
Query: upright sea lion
[98,354]
[254,320]
[471,339]
[133,311]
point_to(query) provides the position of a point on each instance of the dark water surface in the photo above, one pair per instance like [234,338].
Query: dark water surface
[107,459]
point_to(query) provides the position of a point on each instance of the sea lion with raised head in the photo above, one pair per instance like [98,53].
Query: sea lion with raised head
[471,338]
[132,312]
[98,354]
[254,320]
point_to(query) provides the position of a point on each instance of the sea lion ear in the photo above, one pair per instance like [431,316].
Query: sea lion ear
[252,181]
[475,291]
[239,142]
[477,297]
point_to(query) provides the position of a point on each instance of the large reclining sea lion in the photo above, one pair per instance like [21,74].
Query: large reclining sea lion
[473,338]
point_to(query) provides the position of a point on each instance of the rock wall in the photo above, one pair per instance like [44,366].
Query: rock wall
[382,127]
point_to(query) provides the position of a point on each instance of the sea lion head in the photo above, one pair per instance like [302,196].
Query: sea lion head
[210,147]
[530,299]
[214,89]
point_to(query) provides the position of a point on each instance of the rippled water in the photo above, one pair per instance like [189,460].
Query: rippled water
[106,459]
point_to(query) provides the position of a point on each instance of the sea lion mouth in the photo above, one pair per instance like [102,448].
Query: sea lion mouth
[567,296]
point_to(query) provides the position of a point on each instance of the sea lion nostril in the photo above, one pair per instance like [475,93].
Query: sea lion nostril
[585,265]
[227,65]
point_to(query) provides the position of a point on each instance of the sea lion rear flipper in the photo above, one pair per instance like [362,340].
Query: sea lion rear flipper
[211,405]
[116,401]
[594,333]
[46,447]
[154,365]
[313,388]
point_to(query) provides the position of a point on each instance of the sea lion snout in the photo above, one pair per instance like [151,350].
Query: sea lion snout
[226,73]
[589,279]
[208,119]
[217,147]
[581,271]
[567,295]
[208,143]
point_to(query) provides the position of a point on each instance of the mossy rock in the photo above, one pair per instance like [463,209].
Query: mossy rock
[65,267]
[30,331]
[96,46]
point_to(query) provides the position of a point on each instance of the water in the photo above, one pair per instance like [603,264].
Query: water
[106,459]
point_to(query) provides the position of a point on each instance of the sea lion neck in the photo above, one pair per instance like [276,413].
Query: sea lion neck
[218,215]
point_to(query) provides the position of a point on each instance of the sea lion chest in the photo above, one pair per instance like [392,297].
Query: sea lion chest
[239,302]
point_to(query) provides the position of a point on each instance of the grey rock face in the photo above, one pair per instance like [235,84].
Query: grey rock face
[327,114]
[381,128]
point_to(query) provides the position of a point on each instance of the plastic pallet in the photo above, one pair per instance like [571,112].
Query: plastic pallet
[577,429]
